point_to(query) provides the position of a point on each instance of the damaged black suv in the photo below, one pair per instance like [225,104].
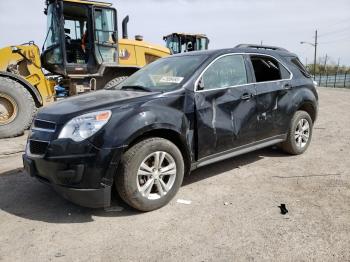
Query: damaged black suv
[172,116]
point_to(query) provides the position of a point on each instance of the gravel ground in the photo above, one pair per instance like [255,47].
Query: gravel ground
[233,215]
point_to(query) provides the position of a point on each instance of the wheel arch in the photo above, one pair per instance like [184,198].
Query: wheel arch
[31,89]
[168,134]
[304,98]
[308,107]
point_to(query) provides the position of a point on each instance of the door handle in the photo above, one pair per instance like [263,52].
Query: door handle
[287,87]
[246,96]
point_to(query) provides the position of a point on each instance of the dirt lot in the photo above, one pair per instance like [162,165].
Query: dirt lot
[233,216]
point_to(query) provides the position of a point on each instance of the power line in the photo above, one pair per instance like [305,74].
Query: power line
[336,40]
[347,20]
[335,31]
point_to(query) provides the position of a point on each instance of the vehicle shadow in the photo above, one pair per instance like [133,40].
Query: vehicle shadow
[23,196]
[231,163]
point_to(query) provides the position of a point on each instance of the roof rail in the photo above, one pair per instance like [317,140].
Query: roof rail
[261,47]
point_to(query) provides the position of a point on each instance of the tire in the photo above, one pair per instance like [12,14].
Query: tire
[292,144]
[18,108]
[115,81]
[129,183]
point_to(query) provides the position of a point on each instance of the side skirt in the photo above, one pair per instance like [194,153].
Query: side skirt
[238,151]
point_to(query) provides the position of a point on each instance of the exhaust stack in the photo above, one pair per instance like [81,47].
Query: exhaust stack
[125,27]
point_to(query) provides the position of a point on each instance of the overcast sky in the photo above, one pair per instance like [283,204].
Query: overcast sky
[227,22]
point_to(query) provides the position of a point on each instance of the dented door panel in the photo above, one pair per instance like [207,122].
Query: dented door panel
[272,100]
[224,119]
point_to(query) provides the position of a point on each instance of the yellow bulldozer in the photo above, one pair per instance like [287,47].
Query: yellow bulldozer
[81,53]
[186,42]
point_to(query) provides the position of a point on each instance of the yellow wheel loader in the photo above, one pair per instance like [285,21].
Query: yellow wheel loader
[81,53]
[185,42]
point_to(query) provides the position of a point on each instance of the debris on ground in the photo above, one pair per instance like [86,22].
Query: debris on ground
[183,201]
[283,208]
[59,254]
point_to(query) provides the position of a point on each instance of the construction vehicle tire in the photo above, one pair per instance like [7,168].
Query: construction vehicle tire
[115,81]
[17,108]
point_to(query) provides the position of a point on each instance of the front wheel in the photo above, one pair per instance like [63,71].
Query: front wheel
[299,135]
[150,174]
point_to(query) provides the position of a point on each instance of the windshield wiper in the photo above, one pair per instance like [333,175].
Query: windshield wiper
[136,87]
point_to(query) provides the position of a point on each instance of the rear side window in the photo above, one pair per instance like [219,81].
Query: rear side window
[300,66]
[268,69]
[225,72]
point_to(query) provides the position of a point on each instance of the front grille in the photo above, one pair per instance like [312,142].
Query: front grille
[43,124]
[38,147]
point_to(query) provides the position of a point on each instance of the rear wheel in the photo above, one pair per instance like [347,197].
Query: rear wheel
[115,81]
[150,174]
[299,135]
[17,108]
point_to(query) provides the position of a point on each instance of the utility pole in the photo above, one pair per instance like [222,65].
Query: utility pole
[315,55]
[315,47]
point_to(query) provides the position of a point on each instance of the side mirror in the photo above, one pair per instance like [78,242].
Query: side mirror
[200,85]
[67,31]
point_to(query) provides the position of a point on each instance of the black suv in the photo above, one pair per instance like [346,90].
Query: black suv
[172,116]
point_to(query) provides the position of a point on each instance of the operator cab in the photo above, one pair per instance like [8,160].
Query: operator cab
[80,37]
[182,42]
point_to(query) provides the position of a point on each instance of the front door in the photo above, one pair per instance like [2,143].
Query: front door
[225,106]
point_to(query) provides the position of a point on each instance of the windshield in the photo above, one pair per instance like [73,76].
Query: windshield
[52,36]
[164,74]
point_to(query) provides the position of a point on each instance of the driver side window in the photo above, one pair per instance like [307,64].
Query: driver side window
[225,72]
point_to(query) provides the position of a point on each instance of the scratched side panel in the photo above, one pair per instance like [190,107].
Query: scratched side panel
[224,121]
[277,106]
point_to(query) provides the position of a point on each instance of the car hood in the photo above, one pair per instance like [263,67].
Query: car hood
[62,111]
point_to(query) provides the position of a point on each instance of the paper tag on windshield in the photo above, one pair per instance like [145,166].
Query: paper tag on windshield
[171,79]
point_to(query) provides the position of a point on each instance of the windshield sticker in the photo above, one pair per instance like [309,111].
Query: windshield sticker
[171,79]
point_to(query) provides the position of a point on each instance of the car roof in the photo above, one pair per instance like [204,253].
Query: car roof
[248,50]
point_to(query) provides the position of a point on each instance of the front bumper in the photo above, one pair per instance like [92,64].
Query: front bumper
[92,198]
[84,179]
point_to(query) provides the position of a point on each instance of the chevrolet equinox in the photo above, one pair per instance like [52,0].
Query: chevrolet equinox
[174,115]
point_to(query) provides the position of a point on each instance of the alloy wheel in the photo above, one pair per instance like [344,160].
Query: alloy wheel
[302,133]
[156,175]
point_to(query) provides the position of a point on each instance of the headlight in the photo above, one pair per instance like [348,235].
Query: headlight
[84,126]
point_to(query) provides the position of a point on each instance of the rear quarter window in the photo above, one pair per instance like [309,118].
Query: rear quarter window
[300,66]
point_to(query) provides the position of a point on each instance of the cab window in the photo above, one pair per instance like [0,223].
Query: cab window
[105,35]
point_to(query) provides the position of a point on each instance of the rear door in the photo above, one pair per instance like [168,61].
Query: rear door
[273,87]
[225,106]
